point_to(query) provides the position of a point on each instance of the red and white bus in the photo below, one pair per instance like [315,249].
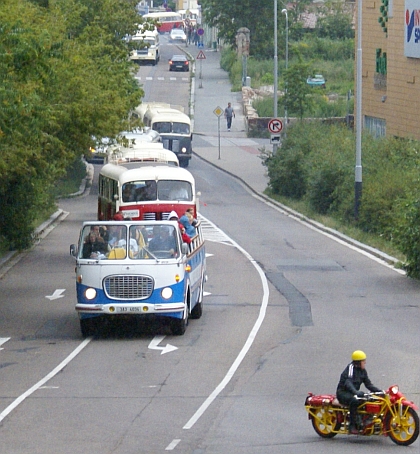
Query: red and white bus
[148,191]
[167,20]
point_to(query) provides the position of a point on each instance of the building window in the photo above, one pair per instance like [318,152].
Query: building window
[376,126]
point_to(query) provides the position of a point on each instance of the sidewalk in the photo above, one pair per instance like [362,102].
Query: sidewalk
[238,155]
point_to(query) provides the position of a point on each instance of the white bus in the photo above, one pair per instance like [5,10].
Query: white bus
[147,49]
[145,191]
[173,126]
[138,269]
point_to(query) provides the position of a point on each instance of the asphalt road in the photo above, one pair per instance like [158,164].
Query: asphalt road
[286,307]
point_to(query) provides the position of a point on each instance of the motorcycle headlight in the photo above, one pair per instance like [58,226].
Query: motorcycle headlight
[395,389]
[90,293]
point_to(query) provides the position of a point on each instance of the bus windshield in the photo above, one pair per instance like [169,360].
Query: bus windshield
[166,127]
[150,190]
[140,241]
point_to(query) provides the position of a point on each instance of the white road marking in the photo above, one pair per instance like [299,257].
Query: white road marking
[57,294]
[3,340]
[42,382]
[172,444]
[248,342]
[154,345]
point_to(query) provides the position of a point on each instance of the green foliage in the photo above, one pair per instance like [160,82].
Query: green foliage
[64,77]
[335,21]
[296,97]
[316,165]
[286,173]
[407,233]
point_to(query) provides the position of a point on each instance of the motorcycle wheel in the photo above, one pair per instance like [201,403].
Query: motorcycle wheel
[325,423]
[403,430]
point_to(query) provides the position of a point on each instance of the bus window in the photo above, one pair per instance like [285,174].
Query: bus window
[180,128]
[174,190]
[162,127]
[139,191]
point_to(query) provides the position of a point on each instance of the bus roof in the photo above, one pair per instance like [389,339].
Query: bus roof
[170,115]
[158,14]
[142,108]
[146,153]
[150,172]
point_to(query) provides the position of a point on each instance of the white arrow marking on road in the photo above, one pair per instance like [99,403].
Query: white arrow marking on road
[57,294]
[206,293]
[3,340]
[154,345]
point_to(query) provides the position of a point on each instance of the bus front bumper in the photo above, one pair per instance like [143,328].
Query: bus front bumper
[130,308]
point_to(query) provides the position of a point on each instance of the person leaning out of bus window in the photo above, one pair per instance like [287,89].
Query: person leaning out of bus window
[174,217]
[94,246]
[186,220]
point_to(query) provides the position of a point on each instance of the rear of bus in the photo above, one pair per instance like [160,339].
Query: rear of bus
[138,269]
[147,49]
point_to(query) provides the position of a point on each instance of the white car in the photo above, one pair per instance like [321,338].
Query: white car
[177,35]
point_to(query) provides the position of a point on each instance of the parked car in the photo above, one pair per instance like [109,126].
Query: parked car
[177,35]
[179,63]
[316,81]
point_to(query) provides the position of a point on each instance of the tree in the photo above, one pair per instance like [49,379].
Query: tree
[297,97]
[65,76]
[335,21]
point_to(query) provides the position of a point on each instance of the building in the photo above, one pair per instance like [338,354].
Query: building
[391,67]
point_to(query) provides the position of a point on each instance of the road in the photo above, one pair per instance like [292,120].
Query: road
[238,379]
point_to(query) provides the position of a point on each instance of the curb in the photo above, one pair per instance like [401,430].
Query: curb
[364,247]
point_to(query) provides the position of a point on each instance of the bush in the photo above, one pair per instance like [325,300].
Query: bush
[286,173]
[322,191]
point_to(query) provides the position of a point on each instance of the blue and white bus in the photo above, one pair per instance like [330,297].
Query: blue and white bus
[137,269]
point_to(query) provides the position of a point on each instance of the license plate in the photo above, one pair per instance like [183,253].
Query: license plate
[129,310]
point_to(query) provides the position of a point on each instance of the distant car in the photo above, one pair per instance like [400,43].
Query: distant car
[177,35]
[179,63]
[316,81]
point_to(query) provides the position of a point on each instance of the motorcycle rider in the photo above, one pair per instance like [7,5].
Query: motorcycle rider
[349,386]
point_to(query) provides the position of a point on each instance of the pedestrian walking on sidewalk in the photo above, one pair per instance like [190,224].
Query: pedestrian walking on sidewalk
[229,113]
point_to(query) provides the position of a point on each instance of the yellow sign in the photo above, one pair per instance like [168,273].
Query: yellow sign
[218,111]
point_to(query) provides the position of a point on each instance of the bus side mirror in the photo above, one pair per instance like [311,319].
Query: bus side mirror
[73,250]
[115,196]
[184,249]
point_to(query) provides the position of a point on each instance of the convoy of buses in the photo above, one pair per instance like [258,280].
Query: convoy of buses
[134,261]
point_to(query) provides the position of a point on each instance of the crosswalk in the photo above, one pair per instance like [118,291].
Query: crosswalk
[212,233]
[160,78]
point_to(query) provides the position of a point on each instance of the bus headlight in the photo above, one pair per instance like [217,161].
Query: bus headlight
[166,293]
[90,293]
[183,150]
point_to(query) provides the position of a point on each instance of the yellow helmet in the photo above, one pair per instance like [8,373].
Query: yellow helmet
[358,355]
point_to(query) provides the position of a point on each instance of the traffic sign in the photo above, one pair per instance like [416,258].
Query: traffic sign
[275,125]
[275,139]
[201,56]
[218,111]
[200,32]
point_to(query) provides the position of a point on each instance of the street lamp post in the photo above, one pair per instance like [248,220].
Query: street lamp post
[275,68]
[284,11]
[358,167]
